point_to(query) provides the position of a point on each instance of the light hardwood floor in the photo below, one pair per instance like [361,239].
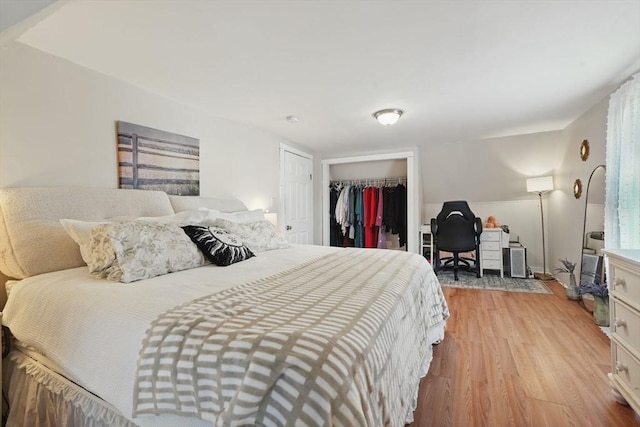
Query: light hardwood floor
[515,359]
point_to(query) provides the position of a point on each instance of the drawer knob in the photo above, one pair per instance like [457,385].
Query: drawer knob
[621,367]
[619,281]
[620,323]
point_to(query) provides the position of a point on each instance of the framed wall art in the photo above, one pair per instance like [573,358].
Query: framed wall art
[152,159]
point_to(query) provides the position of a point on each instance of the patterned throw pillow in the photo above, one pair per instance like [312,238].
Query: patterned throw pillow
[219,246]
[259,236]
[80,231]
[130,251]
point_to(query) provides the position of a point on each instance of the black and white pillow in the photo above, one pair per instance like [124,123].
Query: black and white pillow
[219,246]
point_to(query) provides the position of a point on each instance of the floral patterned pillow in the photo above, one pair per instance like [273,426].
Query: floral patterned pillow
[219,246]
[130,251]
[259,236]
[80,231]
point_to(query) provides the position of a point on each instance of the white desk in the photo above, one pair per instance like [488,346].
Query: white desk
[426,242]
[492,241]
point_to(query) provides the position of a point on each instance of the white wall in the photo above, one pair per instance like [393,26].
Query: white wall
[566,211]
[57,127]
[393,168]
[492,169]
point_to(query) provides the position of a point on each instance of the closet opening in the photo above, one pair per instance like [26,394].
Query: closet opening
[368,213]
[371,202]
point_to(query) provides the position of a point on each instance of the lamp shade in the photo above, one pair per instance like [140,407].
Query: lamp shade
[540,184]
[389,116]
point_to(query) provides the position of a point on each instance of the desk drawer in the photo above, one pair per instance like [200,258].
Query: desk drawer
[490,246]
[490,236]
[494,255]
[491,264]
[626,324]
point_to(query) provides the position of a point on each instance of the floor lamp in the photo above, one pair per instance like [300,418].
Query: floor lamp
[541,185]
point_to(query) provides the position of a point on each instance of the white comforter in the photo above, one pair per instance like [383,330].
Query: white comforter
[93,324]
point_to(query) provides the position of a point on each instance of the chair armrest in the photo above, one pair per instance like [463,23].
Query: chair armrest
[434,227]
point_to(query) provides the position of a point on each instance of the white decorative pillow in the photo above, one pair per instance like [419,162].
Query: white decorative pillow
[259,236]
[136,250]
[80,231]
[219,246]
[238,217]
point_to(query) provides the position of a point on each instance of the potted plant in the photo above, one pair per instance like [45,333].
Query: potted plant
[572,289]
[600,293]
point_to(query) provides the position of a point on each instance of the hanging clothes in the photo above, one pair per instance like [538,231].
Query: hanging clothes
[372,212]
[359,240]
[366,199]
[395,211]
[335,234]
[382,237]
[362,213]
[340,211]
[401,206]
[352,212]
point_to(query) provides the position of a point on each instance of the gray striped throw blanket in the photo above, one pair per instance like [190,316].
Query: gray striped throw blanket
[340,340]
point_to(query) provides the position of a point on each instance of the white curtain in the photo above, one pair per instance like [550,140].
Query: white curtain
[622,206]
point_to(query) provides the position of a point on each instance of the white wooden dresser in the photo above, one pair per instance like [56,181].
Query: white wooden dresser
[492,241]
[624,308]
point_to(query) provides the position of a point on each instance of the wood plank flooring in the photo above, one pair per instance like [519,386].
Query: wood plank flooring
[519,359]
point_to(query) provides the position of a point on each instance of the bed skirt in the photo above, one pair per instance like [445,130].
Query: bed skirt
[39,397]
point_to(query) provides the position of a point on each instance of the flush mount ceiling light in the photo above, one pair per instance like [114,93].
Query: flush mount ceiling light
[388,116]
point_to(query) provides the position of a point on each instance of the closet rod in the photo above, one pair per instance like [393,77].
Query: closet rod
[369,181]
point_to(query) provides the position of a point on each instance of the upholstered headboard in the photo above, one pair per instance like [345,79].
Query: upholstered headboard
[192,203]
[32,240]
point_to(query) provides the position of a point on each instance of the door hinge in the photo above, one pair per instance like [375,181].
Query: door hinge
[310,177]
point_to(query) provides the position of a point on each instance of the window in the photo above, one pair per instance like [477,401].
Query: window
[622,205]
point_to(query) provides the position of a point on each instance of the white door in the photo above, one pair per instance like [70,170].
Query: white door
[297,176]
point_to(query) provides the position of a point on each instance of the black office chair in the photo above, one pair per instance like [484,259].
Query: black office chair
[457,230]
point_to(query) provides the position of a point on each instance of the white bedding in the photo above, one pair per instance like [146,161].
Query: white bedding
[102,323]
[93,324]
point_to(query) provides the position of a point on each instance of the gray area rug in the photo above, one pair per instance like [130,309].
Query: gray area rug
[492,282]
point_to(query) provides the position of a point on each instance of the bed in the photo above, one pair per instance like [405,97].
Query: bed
[275,334]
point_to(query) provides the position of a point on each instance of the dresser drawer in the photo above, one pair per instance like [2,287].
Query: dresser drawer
[490,246]
[490,236]
[491,264]
[625,324]
[491,255]
[626,370]
[625,284]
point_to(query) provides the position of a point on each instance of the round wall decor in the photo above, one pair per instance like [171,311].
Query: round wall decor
[584,150]
[577,188]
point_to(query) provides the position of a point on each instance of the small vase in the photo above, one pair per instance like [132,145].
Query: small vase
[572,290]
[601,311]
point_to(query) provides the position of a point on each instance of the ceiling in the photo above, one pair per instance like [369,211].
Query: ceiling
[461,70]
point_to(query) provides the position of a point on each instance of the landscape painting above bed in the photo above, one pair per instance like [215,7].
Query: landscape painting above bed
[152,159]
